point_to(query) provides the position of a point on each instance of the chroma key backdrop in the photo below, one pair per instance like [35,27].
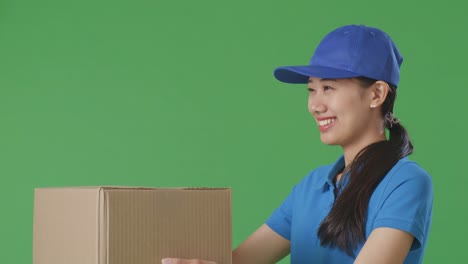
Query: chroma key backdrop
[181,94]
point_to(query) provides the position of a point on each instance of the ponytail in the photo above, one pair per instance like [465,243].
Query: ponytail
[398,135]
[345,225]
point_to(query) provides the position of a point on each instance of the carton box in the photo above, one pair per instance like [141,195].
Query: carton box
[124,225]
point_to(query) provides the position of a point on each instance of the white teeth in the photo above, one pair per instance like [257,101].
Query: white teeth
[326,122]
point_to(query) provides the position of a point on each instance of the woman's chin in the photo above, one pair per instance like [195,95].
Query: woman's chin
[328,141]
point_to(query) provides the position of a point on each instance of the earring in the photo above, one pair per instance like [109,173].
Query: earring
[372,106]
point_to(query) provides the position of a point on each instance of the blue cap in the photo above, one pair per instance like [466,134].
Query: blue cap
[346,52]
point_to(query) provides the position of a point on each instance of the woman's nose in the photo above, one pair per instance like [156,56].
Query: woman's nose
[316,106]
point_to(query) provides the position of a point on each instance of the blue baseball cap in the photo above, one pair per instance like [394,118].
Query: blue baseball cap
[346,52]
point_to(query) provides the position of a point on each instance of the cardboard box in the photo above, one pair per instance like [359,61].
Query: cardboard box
[120,225]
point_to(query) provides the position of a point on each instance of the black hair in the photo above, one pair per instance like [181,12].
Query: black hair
[345,225]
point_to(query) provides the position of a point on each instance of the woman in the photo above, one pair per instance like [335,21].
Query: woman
[372,205]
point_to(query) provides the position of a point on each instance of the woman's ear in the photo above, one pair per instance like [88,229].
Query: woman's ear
[379,91]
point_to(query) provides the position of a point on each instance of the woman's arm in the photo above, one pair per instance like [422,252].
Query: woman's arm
[264,246]
[385,246]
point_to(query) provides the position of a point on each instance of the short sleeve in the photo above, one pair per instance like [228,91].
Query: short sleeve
[281,219]
[407,203]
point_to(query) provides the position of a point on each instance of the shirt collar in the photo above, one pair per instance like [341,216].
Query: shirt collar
[336,167]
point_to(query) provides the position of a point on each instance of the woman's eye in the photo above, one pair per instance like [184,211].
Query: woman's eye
[310,90]
[327,88]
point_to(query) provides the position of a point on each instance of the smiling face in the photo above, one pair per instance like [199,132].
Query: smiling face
[342,110]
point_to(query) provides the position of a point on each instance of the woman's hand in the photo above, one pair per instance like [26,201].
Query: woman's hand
[264,246]
[186,261]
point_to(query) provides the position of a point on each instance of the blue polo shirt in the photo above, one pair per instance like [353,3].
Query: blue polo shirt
[402,200]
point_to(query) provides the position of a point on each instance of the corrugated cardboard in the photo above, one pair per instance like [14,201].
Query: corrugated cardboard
[109,225]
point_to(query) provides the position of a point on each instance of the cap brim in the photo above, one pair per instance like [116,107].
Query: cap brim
[301,74]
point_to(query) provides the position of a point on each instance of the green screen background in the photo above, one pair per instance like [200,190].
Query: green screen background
[181,93]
